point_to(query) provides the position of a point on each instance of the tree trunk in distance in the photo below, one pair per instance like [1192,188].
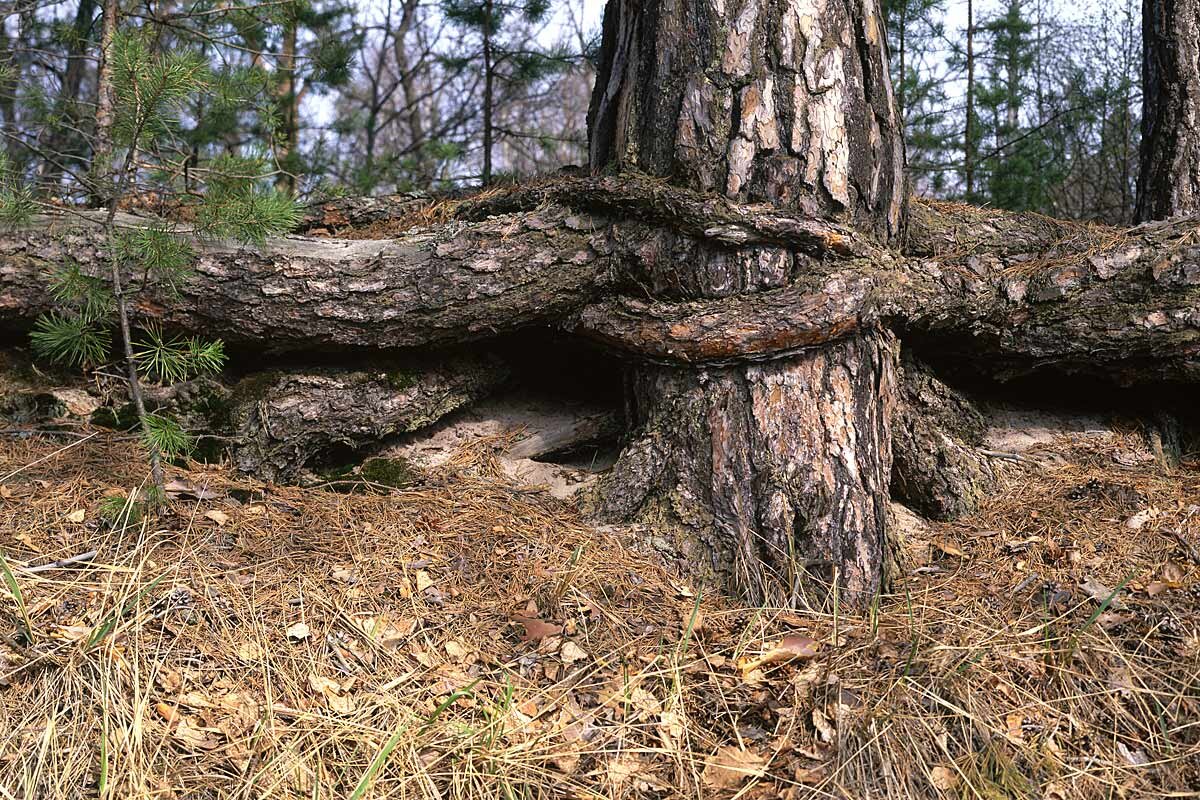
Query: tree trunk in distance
[1169,176]
[102,154]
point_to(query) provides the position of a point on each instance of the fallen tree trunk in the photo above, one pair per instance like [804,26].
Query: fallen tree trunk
[450,283]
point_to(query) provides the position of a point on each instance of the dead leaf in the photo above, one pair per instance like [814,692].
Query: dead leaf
[1134,758]
[536,629]
[167,712]
[943,778]
[1138,520]
[177,489]
[789,648]
[169,680]
[298,632]
[249,651]
[332,692]
[219,517]
[730,767]
[77,515]
[1172,573]
[949,548]
[1101,593]
[193,735]
[571,652]
[455,650]
[424,581]
[1016,725]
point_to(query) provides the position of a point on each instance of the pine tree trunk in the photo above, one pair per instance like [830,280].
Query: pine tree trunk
[771,473]
[489,77]
[289,101]
[102,149]
[1169,180]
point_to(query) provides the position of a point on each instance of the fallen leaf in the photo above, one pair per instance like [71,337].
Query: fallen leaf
[167,712]
[571,652]
[1172,572]
[424,581]
[536,629]
[455,650]
[77,515]
[1101,593]
[949,548]
[196,736]
[177,489]
[298,632]
[1016,724]
[943,778]
[219,517]
[789,648]
[1138,520]
[730,767]
[169,680]
[332,693]
[249,651]
[1134,758]
[824,727]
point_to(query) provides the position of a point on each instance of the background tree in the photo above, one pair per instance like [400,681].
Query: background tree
[507,63]
[1169,179]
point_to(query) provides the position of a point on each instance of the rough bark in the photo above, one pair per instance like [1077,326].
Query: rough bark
[1009,294]
[752,279]
[281,422]
[713,301]
[785,101]
[451,283]
[1169,178]
[937,466]
[778,467]
[770,474]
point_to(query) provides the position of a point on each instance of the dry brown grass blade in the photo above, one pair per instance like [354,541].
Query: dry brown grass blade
[277,653]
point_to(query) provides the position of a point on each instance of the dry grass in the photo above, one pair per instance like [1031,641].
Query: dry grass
[164,667]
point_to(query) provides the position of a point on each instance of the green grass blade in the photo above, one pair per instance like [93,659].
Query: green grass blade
[14,588]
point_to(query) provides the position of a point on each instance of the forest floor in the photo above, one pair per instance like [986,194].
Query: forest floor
[470,638]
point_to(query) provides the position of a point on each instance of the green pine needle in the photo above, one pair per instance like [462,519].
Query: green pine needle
[177,359]
[164,435]
[76,340]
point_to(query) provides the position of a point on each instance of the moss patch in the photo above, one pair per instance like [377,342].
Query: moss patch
[394,472]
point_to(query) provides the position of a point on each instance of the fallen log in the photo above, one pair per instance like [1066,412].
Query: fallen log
[456,282]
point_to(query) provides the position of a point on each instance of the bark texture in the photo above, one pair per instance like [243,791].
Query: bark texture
[1169,177]
[770,474]
[937,466]
[787,101]
[449,283]
[283,421]
[754,271]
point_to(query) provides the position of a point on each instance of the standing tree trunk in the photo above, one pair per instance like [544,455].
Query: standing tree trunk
[285,151]
[969,127]
[489,76]
[1169,180]
[66,106]
[770,473]
[102,150]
